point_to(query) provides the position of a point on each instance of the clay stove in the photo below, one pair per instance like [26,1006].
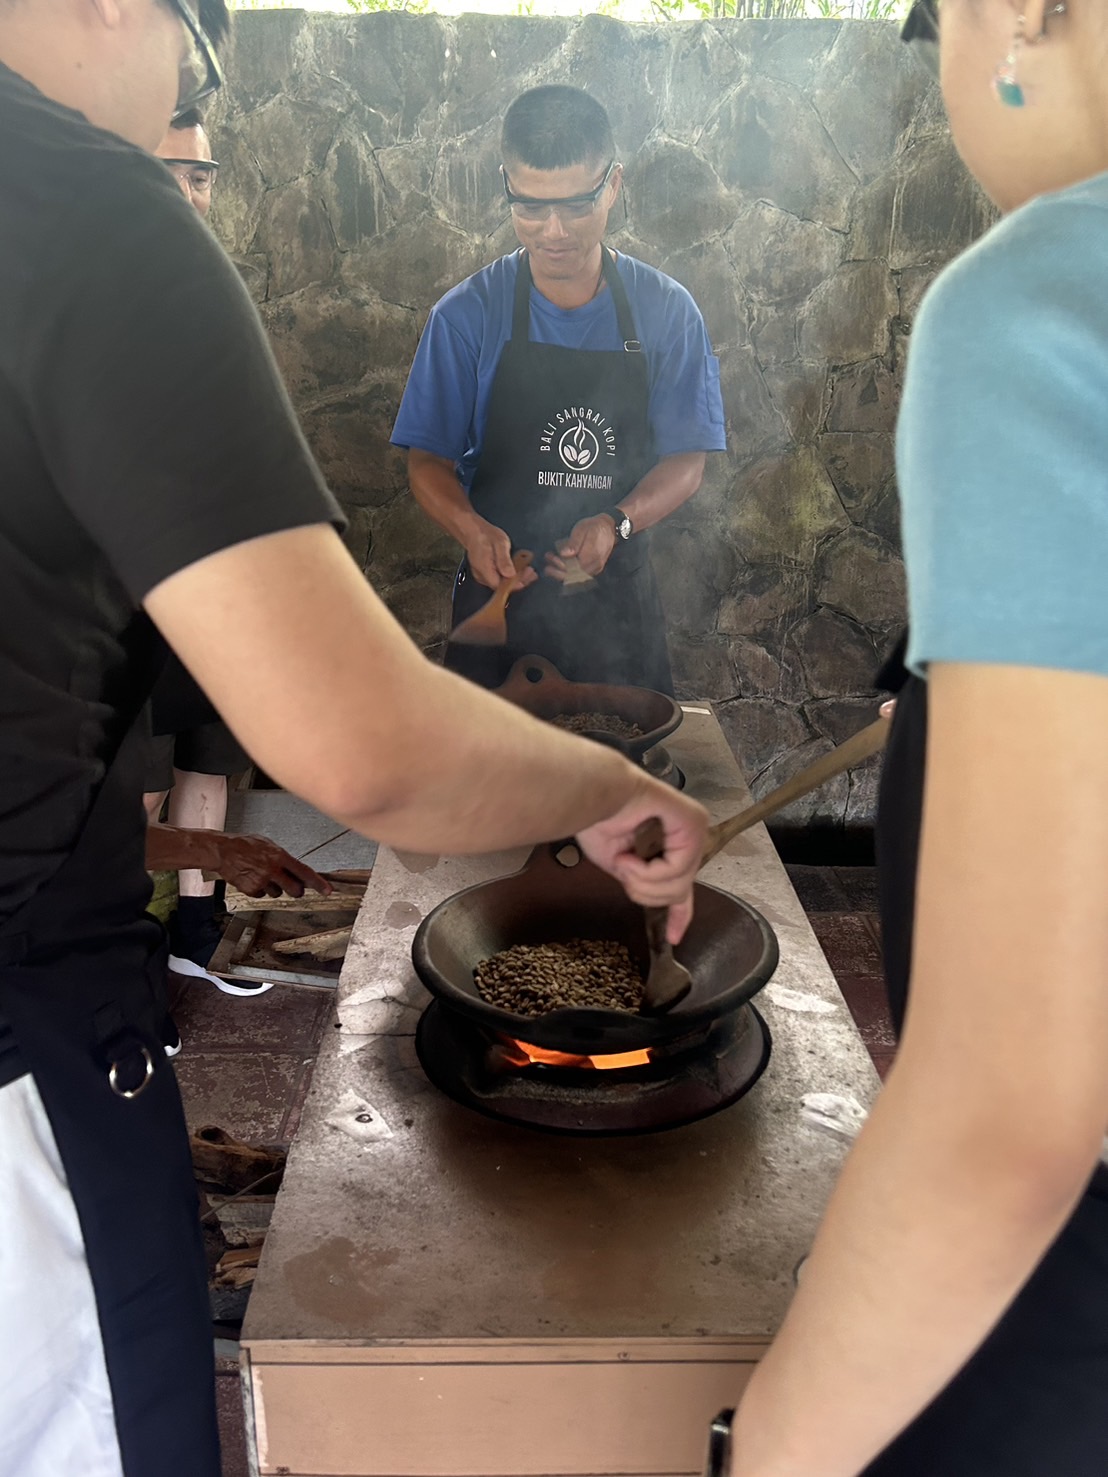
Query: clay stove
[446,1294]
[643,1091]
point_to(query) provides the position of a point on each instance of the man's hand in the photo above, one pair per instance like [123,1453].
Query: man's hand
[253,864]
[489,551]
[665,882]
[591,541]
[261,868]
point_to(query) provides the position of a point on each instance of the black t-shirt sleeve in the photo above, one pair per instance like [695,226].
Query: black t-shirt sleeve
[153,389]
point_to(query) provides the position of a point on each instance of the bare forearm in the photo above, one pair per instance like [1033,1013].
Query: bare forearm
[169,849]
[435,487]
[346,712]
[669,484]
[934,1227]
[479,793]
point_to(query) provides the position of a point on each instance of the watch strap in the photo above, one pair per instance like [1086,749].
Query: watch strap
[621,520]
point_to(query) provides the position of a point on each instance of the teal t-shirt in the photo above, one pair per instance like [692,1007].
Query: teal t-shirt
[1002,445]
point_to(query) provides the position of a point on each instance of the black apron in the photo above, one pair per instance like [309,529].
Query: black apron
[82,990]
[567,436]
[1033,1401]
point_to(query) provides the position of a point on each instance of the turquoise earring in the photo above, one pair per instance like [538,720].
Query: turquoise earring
[1005,84]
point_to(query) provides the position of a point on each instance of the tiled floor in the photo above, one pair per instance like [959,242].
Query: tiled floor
[247,1063]
[841,903]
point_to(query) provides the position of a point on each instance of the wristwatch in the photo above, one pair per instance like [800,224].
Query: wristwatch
[624,527]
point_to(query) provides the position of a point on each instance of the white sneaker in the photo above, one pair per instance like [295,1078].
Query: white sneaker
[197,971]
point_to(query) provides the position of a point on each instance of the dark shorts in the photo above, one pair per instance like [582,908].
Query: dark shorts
[1033,1401]
[210,748]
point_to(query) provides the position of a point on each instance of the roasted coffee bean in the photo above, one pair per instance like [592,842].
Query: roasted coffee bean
[534,979]
[598,723]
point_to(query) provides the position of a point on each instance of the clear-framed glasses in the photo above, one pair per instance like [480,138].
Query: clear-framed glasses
[201,74]
[570,207]
[198,174]
[921,31]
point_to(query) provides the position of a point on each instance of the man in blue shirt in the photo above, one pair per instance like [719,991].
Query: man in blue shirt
[562,400]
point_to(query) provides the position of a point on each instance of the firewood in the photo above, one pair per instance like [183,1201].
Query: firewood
[346,896]
[215,1240]
[225,1162]
[329,945]
[237,1267]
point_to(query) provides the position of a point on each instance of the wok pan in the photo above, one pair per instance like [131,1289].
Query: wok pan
[537,685]
[729,949]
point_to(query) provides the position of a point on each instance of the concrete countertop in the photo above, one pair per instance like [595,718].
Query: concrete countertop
[406,1217]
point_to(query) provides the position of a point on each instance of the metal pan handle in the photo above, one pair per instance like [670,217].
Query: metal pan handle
[719,1444]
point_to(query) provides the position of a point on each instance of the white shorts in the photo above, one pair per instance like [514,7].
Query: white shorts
[56,1416]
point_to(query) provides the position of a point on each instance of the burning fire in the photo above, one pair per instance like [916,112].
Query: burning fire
[523,1054]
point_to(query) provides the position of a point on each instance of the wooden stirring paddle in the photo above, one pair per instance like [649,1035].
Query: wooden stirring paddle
[575,577]
[489,625]
[846,755]
[668,981]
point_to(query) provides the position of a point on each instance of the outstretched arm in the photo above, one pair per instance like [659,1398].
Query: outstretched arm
[253,864]
[332,699]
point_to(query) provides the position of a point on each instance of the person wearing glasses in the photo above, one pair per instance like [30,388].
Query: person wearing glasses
[192,752]
[187,154]
[562,401]
[952,1318]
[155,486]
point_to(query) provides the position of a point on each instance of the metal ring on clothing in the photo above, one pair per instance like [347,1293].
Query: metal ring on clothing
[131,1092]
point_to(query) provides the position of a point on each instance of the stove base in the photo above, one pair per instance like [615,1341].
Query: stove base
[660,763]
[465,1061]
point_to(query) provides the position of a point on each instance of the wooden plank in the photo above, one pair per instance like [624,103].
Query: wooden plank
[254,959]
[502,1420]
[347,895]
[328,945]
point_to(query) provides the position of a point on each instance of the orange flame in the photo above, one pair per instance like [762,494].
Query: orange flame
[523,1054]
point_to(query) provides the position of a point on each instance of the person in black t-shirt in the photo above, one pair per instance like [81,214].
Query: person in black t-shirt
[123,327]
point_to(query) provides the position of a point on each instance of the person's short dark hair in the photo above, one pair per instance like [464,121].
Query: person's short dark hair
[555,127]
[216,21]
[190,118]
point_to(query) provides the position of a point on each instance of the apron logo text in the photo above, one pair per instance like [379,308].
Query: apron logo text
[582,481]
[580,435]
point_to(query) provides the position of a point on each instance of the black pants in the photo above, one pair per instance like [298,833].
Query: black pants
[1033,1401]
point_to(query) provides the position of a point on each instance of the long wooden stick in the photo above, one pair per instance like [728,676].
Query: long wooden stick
[859,746]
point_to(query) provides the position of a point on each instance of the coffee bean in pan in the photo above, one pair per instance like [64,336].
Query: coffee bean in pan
[598,723]
[534,979]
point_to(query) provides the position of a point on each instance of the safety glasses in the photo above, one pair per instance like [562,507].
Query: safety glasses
[200,74]
[200,173]
[921,31]
[570,207]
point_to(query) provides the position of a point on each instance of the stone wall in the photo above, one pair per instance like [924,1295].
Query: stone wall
[796,176]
